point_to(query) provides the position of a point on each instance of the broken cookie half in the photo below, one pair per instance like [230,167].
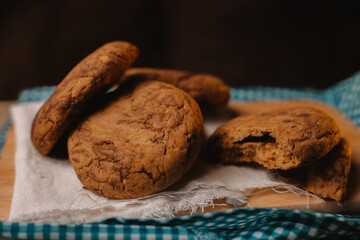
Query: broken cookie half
[280,139]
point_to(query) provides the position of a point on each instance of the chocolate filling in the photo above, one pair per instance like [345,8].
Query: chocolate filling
[266,138]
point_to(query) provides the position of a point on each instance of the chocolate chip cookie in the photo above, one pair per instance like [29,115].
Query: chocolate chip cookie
[280,139]
[204,88]
[91,77]
[328,177]
[139,143]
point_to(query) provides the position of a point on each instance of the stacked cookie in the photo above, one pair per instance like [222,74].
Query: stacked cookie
[204,88]
[133,141]
[287,139]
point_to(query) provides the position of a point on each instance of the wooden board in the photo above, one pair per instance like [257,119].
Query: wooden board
[7,175]
[261,197]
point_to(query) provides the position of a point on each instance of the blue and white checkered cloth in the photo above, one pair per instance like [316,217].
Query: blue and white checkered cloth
[243,223]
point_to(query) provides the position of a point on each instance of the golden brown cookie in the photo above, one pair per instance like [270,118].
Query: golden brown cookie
[280,139]
[140,143]
[327,177]
[93,75]
[204,88]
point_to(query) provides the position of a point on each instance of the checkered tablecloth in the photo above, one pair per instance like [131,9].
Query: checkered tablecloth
[244,223]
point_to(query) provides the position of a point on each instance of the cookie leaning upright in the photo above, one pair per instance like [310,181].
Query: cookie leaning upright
[328,177]
[280,139]
[92,76]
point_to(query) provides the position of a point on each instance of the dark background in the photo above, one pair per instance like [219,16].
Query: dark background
[247,43]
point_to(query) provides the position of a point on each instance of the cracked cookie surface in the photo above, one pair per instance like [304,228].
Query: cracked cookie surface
[204,88]
[91,77]
[280,139]
[141,142]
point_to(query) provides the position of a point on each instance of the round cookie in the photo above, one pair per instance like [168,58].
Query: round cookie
[204,88]
[93,75]
[140,143]
[280,139]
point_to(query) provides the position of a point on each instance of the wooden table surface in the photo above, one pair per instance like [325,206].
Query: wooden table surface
[4,112]
[7,167]
[267,198]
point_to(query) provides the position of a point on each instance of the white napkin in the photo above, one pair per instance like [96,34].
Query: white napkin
[48,190]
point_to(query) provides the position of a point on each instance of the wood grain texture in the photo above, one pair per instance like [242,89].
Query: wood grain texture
[261,197]
[7,175]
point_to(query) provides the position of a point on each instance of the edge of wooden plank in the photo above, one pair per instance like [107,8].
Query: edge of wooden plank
[7,175]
